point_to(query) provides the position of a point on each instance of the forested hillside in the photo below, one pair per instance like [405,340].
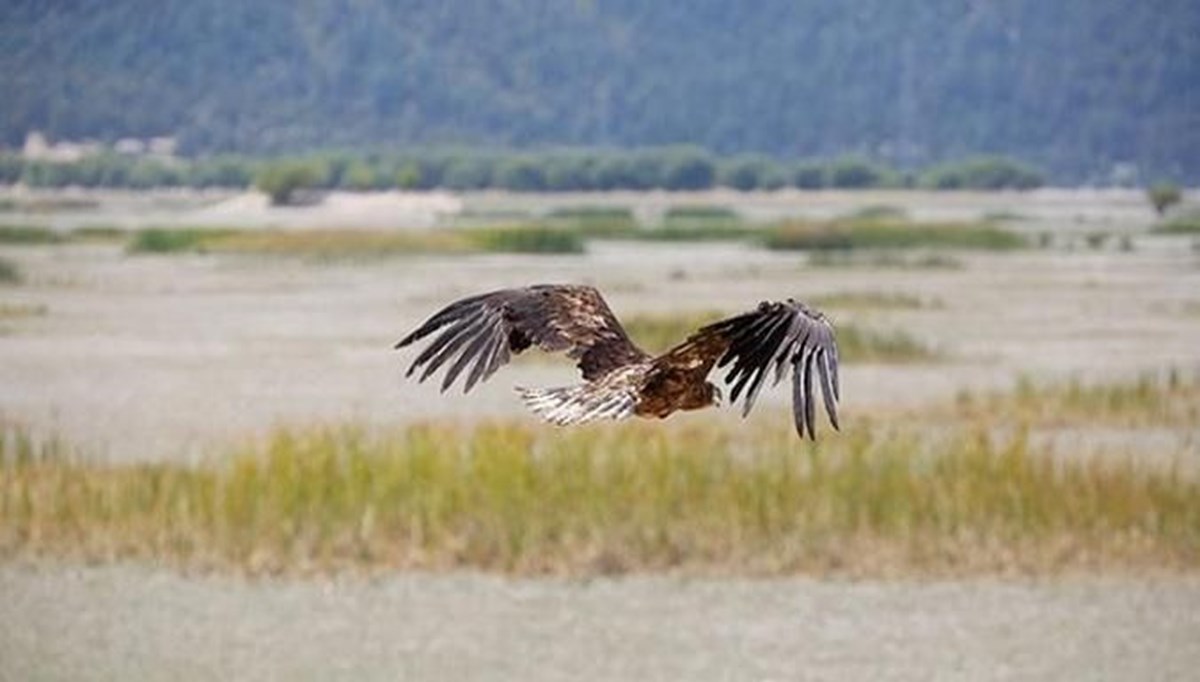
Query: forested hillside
[1072,86]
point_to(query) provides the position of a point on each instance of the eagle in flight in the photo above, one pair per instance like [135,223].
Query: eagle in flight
[619,379]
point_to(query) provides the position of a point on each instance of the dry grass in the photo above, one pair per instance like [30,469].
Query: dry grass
[1170,401]
[16,311]
[634,497]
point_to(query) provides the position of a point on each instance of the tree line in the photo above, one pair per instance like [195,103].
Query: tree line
[672,169]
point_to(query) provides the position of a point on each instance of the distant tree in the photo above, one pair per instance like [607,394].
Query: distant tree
[283,181]
[467,173]
[358,176]
[409,176]
[11,166]
[746,173]
[688,170]
[809,176]
[852,172]
[521,175]
[1164,195]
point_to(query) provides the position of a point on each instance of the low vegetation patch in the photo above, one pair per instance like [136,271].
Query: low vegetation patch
[333,244]
[339,244]
[175,240]
[1184,224]
[630,497]
[527,239]
[28,234]
[10,273]
[873,234]
[884,259]
[595,221]
[700,213]
[1169,400]
[14,311]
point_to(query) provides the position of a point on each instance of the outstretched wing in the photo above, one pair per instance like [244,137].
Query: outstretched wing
[487,329]
[768,339]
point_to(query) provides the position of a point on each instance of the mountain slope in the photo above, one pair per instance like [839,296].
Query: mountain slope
[1073,85]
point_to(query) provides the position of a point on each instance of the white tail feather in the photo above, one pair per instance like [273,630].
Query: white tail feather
[578,404]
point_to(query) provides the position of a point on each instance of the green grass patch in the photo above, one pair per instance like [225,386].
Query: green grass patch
[632,497]
[28,234]
[49,204]
[1184,224]
[595,221]
[877,212]
[700,213]
[871,234]
[527,239]
[338,244]
[1003,216]
[10,272]
[695,232]
[333,245]
[175,239]
[884,260]
[99,233]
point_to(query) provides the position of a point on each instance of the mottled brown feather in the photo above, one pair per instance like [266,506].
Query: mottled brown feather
[489,328]
[775,334]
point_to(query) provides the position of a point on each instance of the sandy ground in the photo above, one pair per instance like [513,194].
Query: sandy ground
[143,358]
[121,623]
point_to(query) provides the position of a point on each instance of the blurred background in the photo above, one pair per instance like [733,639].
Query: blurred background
[217,217]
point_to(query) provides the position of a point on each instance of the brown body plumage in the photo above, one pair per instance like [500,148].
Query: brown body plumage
[483,332]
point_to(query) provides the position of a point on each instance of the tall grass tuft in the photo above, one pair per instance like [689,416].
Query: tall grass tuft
[631,497]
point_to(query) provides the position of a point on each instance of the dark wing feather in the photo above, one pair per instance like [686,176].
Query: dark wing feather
[490,328]
[774,335]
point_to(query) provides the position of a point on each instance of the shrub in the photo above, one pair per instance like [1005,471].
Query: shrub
[1164,195]
[283,181]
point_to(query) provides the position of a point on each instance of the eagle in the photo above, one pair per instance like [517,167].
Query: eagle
[620,380]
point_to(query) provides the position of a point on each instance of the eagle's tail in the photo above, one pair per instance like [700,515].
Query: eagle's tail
[578,404]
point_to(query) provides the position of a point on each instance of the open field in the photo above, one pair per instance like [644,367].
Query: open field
[1009,413]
